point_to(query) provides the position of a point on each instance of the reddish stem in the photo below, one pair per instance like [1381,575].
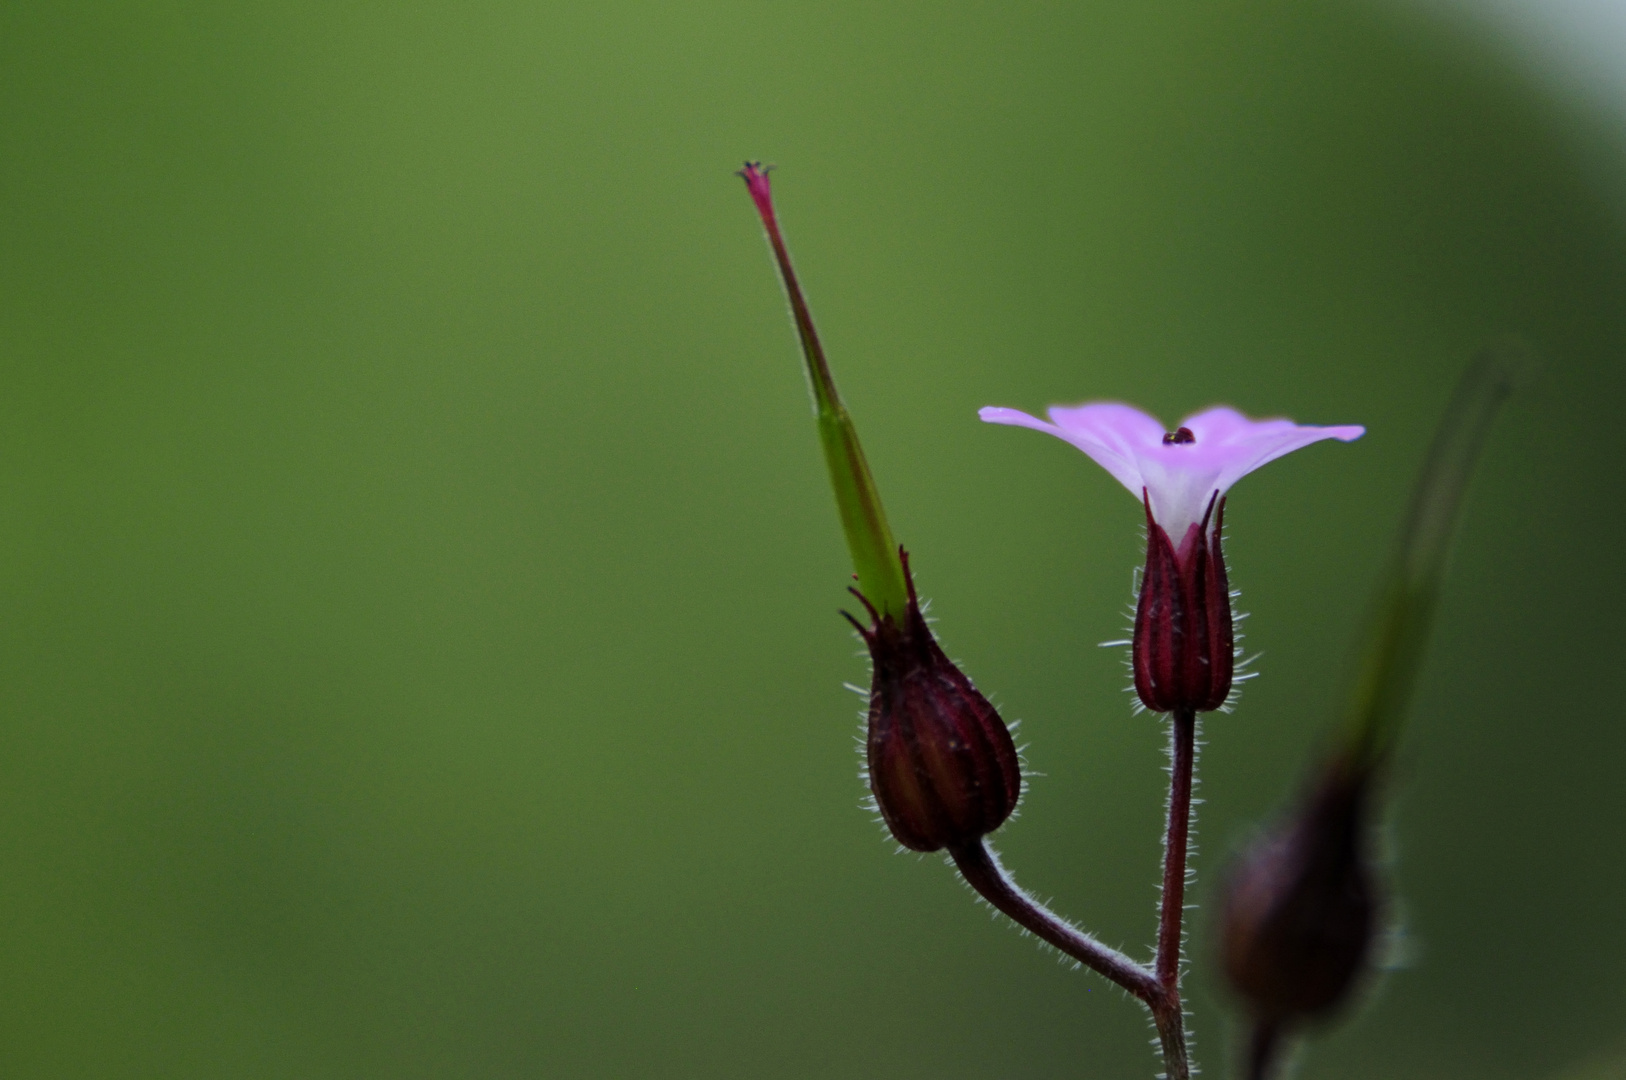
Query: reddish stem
[1182,755]
[1167,1011]
[982,871]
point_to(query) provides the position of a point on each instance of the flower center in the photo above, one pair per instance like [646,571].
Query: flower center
[1182,435]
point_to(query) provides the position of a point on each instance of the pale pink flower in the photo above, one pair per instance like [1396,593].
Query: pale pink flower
[1178,472]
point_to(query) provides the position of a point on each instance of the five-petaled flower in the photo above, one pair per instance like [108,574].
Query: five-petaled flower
[1183,645]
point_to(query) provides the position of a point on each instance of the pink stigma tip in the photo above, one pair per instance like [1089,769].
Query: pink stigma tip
[755,175]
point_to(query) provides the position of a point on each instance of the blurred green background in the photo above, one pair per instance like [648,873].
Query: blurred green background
[418,584]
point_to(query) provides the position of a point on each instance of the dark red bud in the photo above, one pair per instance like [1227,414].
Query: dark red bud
[941,762]
[1299,912]
[1183,646]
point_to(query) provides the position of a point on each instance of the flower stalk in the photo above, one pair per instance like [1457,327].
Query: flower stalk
[1176,847]
[982,870]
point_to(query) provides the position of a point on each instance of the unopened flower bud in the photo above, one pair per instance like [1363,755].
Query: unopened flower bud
[941,762]
[1299,912]
[1184,646]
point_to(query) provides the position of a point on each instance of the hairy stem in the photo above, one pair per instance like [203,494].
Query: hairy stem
[1167,1011]
[981,869]
[1182,752]
[1171,1036]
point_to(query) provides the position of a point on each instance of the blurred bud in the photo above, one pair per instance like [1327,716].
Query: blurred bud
[1184,646]
[1299,912]
[941,762]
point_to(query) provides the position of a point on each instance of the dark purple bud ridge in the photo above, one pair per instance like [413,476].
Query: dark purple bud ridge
[1299,912]
[941,762]
[1184,645]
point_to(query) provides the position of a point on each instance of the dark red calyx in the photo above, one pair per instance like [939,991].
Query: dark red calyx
[941,762]
[1299,912]
[1184,645]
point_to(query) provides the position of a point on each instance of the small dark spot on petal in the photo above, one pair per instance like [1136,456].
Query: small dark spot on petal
[1183,435]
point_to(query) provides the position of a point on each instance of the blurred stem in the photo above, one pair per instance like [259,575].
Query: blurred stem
[869,537]
[1264,1050]
[1409,594]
